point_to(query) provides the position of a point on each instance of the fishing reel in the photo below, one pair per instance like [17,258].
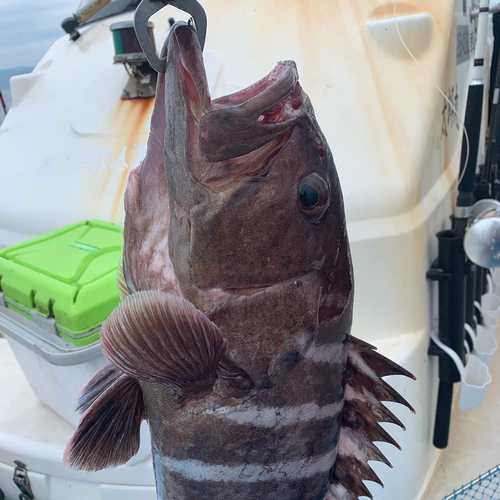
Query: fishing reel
[482,239]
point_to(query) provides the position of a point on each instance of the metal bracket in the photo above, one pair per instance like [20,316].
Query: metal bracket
[22,481]
[463,212]
[149,7]
[47,324]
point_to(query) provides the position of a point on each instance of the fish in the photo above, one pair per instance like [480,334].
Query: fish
[233,338]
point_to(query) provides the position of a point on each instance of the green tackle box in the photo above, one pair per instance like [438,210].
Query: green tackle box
[64,281]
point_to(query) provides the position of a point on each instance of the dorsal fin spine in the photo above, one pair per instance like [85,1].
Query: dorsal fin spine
[363,411]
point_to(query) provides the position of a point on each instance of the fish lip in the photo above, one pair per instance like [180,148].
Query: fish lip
[247,120]
[263,85]
[185,51]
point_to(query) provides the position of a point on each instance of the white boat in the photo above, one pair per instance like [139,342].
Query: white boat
[69,142]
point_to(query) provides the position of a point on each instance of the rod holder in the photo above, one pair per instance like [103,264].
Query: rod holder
[450,272]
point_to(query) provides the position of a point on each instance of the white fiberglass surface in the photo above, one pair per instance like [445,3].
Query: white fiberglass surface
[395,144]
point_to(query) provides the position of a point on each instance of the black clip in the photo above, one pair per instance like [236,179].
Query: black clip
[437,274]
[149,7]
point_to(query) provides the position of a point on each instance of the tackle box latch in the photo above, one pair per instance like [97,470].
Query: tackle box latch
[22,481]
[47,324]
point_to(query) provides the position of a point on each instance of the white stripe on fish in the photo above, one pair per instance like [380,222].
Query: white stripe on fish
[279,416]
[329,353]
[196,470]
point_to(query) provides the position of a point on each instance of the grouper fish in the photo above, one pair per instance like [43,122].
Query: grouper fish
[233,337]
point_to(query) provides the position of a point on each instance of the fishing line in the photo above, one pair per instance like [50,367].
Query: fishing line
[426,73]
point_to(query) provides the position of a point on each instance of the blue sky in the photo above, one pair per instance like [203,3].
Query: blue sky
[29,27]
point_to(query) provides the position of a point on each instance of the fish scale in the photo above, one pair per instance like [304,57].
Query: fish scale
[233,337]
[220,451]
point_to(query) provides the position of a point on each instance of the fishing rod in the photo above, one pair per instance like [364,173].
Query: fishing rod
[455,274]
[488,187]
[82,15]
[2,101]
[472,126]
[489,176]
[475,275]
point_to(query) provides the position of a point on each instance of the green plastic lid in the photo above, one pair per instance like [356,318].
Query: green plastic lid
[65,280]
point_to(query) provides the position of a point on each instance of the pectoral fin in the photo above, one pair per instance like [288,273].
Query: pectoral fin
[232,380]
[160,337]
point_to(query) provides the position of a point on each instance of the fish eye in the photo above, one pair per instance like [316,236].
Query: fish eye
[308,196]
[313,197]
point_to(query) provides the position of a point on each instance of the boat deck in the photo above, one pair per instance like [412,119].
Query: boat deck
[48,427]
[474,445]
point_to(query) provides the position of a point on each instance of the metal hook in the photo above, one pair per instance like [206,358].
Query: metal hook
[149,7]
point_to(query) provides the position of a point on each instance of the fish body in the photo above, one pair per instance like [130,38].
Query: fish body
[233,339]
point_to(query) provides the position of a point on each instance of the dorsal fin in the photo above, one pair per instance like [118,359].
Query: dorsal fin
[362,413]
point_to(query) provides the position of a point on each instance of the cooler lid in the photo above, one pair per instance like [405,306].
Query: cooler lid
[68,275]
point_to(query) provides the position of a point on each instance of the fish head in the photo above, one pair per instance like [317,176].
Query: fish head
[254,193]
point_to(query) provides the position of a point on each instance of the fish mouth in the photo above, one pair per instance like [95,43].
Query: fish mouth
[249,119]
[240,123]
